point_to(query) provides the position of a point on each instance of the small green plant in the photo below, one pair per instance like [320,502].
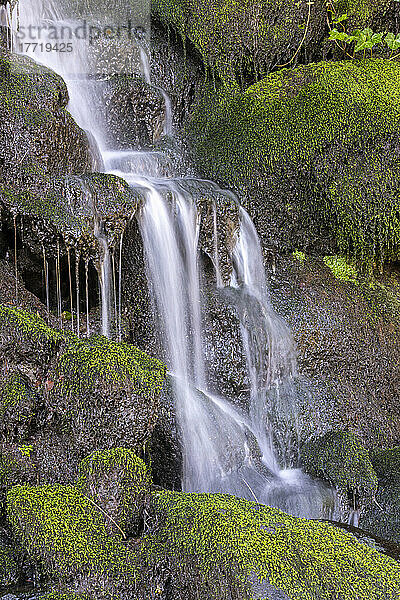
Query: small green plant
[298,255]
[360,40]
[25,450]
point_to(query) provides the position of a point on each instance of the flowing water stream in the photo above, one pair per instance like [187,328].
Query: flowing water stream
[226,449]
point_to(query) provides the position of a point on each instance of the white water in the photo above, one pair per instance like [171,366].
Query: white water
[225,450]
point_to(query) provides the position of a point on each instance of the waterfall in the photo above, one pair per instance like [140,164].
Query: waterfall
[225,449]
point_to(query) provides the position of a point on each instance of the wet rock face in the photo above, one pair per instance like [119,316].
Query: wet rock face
[36,130]
[135,111]
[224,355]
[347,335]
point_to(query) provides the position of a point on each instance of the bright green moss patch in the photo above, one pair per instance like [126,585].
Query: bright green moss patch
[327,130]
[29,325]
[63,529]
[246,541]
[298,255]
[341,269]
[86,364]
[340,459]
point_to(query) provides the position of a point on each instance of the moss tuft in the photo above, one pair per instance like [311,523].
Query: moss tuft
[342,269]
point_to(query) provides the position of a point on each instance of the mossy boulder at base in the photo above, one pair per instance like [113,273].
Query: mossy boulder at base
[339,458]
[118,481]
[311,149]
[222,545]
[196,546]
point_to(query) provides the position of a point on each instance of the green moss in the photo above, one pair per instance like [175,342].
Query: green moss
[341,269]
[119,482]
[328,129]
[298,255]
[244,541]
[361,12]
[16,399]
[87,365]
[245,38]
[340,459]
[60,527]
[28,326]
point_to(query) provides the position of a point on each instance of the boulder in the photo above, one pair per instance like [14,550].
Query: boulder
[88,394]
[36,129]
[383,517]
[312,152]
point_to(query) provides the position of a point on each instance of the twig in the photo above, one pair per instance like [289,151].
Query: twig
[106,514]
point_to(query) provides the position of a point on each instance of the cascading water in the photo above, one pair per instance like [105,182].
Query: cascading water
[225,449]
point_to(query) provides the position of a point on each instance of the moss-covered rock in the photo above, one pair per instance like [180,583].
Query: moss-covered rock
[118,481]
[62,529]
[383,517]
[340,459]
[221,546]
[246,39]
[35,128]
[91,393]
[305,145]
[196,545]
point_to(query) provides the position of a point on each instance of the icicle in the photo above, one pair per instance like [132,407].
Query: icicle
[46,281]
[70,288]
[15,260]
[114,288]
[216,255]
[77,261]
[120,287]
[87,297]
[58,282]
